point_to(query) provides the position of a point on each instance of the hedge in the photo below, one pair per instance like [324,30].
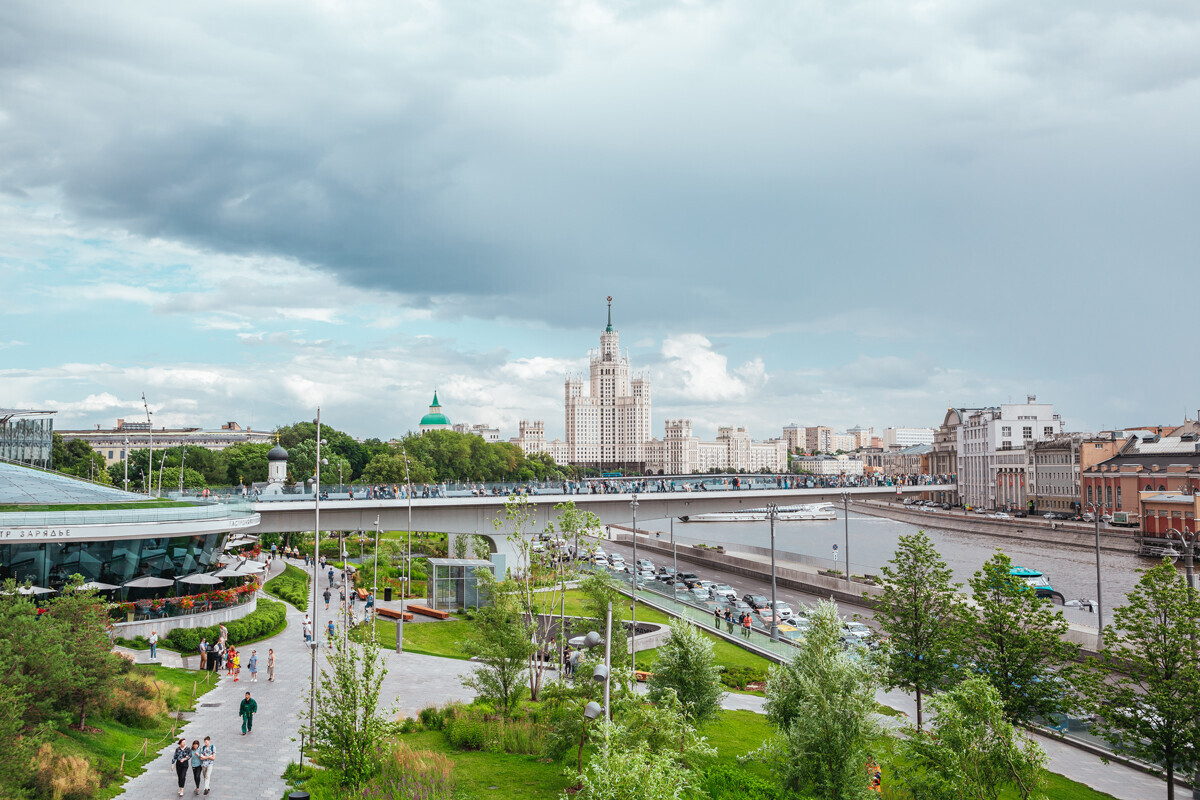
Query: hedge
[290,585]
[266,619]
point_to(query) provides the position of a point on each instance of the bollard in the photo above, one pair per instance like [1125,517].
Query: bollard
[399,640]
[122,769]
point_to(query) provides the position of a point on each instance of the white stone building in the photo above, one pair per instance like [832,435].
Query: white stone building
[111,443]
[483,431]
[680,452]
[991,451]
[829,465]
[531,438]
[900,438]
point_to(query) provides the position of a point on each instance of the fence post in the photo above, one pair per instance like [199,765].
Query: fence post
[122,768]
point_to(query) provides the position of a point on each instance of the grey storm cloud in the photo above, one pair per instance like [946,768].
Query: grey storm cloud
[794,158]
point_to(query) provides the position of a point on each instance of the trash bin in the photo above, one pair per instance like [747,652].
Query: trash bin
[298,796]
[387,594]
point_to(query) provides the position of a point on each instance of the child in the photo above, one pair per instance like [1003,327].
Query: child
[253,665]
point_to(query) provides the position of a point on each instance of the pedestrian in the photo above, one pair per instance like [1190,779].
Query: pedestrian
[253,665]
[181,758]
[153,645]
[203,650]
[746,625]
[247,709]
[215,657]
[196,764]
[331,632]
[308,632]
[717,618]
[728,621]
[208,756]
[224,637]
[271,665]
[327,594]
[331,576]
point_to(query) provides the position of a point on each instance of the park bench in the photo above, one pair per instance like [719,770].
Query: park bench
[641,676]
[390,614]
[362,594]
[425,611]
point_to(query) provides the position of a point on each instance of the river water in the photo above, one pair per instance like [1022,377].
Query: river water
[1071,570]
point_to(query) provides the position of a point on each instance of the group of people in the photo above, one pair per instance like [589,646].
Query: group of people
[200,758]
[744,620]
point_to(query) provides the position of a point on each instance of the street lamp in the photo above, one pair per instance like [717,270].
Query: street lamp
[1189,547]
[375,580]
[313,645]
[1096,512]
[846,515]
[772,514]
[182,458]
[675,565]
[633,504]
[149,476]
[408,556]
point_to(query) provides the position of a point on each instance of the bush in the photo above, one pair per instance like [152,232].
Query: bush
[726,782]
[267,618]
[138,700]
[739,677]
[407,774]
[432,718]
[480,728]
[291,585]
[59,777]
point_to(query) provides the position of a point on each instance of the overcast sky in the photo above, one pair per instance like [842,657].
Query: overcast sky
[841,212]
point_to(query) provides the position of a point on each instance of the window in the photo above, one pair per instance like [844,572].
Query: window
[1006,430]
[1118,496]
[1027,432]
[1108,496]
[1047,431]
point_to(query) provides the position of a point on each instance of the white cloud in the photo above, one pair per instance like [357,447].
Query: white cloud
[694,371]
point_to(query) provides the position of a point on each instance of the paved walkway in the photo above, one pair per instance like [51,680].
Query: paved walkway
[247,767]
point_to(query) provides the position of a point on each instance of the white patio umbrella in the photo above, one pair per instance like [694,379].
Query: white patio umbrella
[147,582]
[98,586]
[200,577]
[33,590]
[225,572]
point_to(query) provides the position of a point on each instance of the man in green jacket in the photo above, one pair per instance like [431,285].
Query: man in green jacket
[247,709]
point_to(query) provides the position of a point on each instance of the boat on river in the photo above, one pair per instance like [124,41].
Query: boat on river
[800,513]
[1039,582]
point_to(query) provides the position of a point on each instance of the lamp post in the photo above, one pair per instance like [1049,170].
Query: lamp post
[846,515]
[407,557]
[772,514]
[633,504]
[161,465]
[182,458]
[312,691]
[1096,512]
[149,476]
[675,565]
[126,460]
[375,580]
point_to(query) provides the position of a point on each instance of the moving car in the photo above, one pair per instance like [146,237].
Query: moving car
[724,590]
[617,561]
[700,593]
[756,601]
[784,610]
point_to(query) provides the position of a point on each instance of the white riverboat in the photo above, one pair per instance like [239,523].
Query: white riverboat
[801,513]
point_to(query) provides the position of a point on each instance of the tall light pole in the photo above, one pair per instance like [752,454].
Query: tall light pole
[675,565]
[127,462]
[161,466]
[312,690]
[182,458]
[375,580]
[846,515]
[633,504]
[1096,512]
[408,555]
[772,513]
[149,476]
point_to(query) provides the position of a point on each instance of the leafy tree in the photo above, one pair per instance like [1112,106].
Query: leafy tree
[1017,643]
[389,468]
[572,523]
[246,463]
[627,768]
[686,667]
[191,479]
[823,705]
[972,752]
[501,640]
[18,741]
[33,656]
[77,458]
[598,590]
[349,725]
[1153,712]
[922,612]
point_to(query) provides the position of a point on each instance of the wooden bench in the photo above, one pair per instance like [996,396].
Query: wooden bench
[390,614]
[362,594]
[641,676]
[425,611]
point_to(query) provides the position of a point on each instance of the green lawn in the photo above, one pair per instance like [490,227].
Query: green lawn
[495,775]
[104,749]
[438,638]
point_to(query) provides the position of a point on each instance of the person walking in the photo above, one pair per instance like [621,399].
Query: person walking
[196,764]
[234,660]
[331,576]
[717,618]
[253,665]
[746,625]
[224,637]
[308,632]
[247,709]
[203,650]
[728,621]
[154,645]
[181,758]
[327,594]
[208,757]
[332,632]
[271,665]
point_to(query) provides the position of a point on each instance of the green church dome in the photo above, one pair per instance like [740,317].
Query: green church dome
[435,415]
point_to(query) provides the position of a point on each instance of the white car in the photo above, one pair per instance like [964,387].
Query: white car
[601,561]
[700,593]
[617,561]
[724,590]
[784,611]
[858,632]
[645,563]
[1002,515]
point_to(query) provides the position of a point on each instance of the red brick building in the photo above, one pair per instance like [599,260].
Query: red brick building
[1162,511]
[1145,463]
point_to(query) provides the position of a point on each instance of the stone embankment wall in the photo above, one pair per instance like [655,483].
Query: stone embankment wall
[1119,540]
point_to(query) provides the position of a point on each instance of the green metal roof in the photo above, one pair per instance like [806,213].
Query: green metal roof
[434,419]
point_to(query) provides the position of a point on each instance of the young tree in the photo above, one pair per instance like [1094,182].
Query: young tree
[922,612]
[349,724]
[630,767]
[1017,643]
[1153,712]
[573,523]
[687,668]
[972,752]
[501,640]
[91,669]
[823,704]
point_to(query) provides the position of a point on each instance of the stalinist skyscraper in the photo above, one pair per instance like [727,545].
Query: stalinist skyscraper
[608,417]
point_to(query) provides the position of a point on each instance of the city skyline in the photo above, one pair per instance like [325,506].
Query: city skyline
[843,216]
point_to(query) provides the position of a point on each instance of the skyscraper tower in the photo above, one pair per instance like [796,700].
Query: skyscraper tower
[608,417]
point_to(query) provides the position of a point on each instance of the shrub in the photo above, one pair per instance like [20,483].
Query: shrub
[409,725]
[739,677]
[267,618]
[407,774]
[466,733]
[138,699]
[432,718]
[60,777]
[725,782]
[291,585]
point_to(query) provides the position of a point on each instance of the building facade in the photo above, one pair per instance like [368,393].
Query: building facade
[991,458]
[829,465]
[1144,462]
[434,420]
[112,443]
[818,439]
[900,438]
[912,460]
[485,432]
[680,452]
[793,437]
[1052,473]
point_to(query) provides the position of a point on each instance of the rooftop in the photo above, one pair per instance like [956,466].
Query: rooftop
[26,486]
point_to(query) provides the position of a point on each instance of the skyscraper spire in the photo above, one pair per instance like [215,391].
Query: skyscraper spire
[609,328]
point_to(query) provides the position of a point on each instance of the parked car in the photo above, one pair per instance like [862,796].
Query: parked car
[679,586]
[791,633]
[1002,515]
[739,607]
[600,561]
[700,594]
[856,632]
[645,563]
[784,610]
[724,590]
[766,615]
[706,584]
[689,578]
[756,601]
[666,570]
